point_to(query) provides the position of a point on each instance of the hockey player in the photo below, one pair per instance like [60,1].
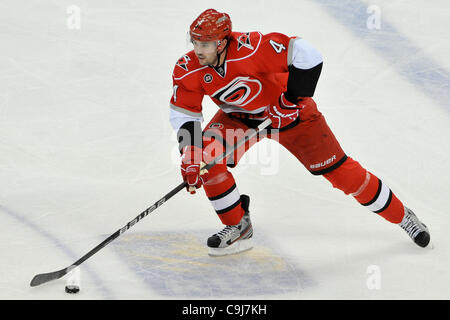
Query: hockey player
[252,77]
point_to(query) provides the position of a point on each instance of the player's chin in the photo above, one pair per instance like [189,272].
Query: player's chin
[203,61]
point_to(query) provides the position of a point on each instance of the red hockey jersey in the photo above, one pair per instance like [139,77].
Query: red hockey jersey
[253,76]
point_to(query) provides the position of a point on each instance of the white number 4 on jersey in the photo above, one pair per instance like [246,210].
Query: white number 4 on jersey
[278,47]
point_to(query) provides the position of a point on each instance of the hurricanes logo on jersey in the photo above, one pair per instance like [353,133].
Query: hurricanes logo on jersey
[244,41]
[183,61]
[240,91]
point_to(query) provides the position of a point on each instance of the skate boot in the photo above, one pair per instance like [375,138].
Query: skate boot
[415,229]
[233,239]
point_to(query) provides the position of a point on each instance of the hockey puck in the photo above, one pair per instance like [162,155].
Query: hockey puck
[72,289]
[73,281]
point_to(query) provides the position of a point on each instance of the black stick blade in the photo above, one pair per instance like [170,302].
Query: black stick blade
[46,277]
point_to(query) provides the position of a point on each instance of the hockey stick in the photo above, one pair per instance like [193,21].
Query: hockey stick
[46,277]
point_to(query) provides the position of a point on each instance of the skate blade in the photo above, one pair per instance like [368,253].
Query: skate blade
[237,247]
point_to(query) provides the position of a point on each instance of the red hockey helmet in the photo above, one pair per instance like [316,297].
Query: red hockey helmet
[211,25]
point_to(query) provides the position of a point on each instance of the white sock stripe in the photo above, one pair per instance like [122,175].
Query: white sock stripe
[382,199]
[226,201]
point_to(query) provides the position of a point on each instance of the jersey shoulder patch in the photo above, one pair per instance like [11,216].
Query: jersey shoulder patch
[183,62]
[244,41]
[244,44]
[185,65]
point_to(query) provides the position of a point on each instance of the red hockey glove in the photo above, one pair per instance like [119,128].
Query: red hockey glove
[191,164]
[284,113]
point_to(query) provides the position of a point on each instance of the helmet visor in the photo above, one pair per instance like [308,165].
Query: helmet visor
[204,47]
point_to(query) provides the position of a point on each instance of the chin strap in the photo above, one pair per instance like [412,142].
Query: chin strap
[219,42]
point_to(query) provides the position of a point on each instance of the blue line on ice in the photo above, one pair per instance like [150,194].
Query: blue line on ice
[106,293]
[408,59]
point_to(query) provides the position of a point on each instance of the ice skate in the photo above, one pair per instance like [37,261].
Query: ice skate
[233,239]
[415,229]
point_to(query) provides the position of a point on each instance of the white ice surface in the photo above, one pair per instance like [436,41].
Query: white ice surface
[86,145]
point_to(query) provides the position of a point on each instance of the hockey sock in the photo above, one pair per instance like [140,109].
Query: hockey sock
[377,197]
[224,195]
[367,189]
